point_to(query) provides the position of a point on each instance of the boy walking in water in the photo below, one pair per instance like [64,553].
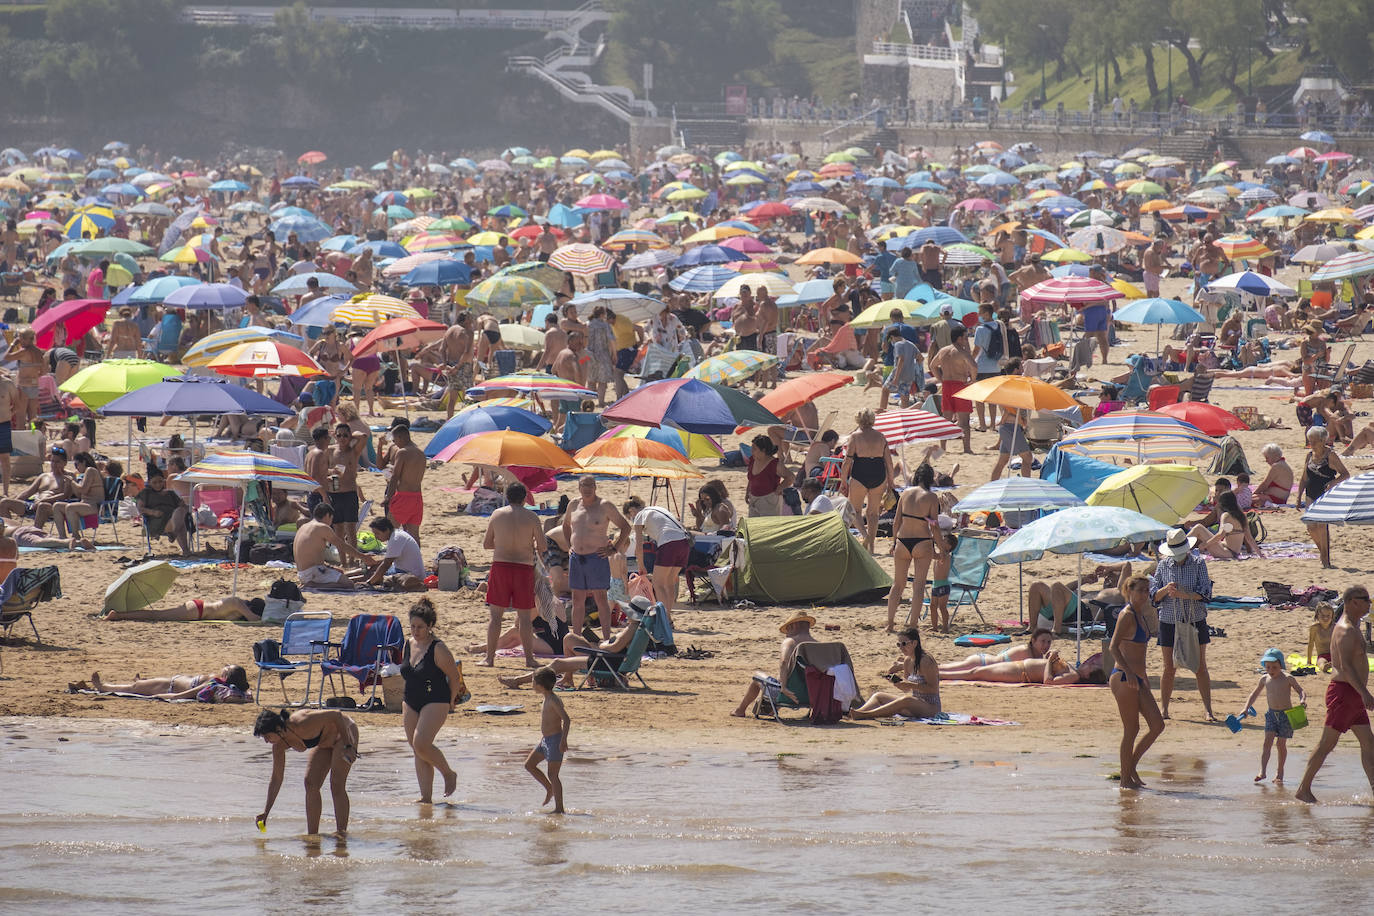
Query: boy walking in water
[554,725]
[1278,686]
[1347,697]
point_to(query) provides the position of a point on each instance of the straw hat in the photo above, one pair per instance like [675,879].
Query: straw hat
[1177,545]
[798,617]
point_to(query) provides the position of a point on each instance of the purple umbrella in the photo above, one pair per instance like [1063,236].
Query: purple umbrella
[207,296]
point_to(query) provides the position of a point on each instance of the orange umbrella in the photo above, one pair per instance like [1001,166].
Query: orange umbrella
[829,256]
[1150,206]
[265,359]
[629,456]
[400,334]
[1019,392]
[793,393]
[506,448]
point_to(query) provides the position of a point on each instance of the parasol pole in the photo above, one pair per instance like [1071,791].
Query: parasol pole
[238,540]
[405,401]
[1021,589]
[129,447]
[1078,612]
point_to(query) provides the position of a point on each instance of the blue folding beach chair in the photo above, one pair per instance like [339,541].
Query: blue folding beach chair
[304,642]
[614,669]
[370,641]
[968,573]
[581,428]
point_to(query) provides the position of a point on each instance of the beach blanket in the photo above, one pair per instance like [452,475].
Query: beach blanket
[128,696]
[1104,558]
[1224,602]
[1283,550]
[952,718]
[190,563]
[960,683]
[520,653]
[67,549]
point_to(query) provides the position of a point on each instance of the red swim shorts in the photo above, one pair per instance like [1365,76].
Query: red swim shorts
[407,507]
[511,585]
[948,402]
[1344,708]
[673,554]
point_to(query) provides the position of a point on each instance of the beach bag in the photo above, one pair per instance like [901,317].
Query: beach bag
[1277,593]
[825,709]
[1187,652]
[1256,525]
[276,610]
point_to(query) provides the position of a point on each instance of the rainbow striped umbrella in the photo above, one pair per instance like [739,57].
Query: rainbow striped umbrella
[690,445]
[1140,435]
[911,425]
[1242,247]
[627,238]
[212,345]
[372,309]
[522,403]
[535,384]
[1354,264]
[432,241]
[734,366]
[507,295]
[582,259]
[265,359]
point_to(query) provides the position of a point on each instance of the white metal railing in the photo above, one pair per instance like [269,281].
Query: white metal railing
[412,18]
[914,52]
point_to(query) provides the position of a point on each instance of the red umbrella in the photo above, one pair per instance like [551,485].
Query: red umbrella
[314,157]
[600,202]
[770,210]
[533,231]
[77,316]
[1211,419]
[795,392]
[399,334]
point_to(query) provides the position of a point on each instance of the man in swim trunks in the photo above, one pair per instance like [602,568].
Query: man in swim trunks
[1348,699]
[229,608]
[954,368]
[316,464]
[11,402]
[744,321]
[931,258]
[514,537]
[585,526]
[1154,262]
[457,351]
[310,548]
[403,501]
[348,448]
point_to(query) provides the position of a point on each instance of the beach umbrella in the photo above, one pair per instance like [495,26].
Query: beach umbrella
[399,334]
[628,238]
[1019,392]
[634,306]
[507,448]
[803,389]
[1158,312]
[1164,492]
[704,279]
[534,384]
[193,396]
[1242,248]
[1071,290]
[141,585]
[100,383]
[1255,284]
[373,309]
[208,347]
[265,359]
[689,445]
[247,470]
[1318,254]
[630,456]
[582,259]
[688,404]
[704,255]
[929,312]
[829,256]
[1350,502]
[482,419]
[878,314]
[509,294]
[1139,435]
[1351,264]
[777,285]
[900,426]
[157,290]
[446,272]
[1078,530]
[306,228]
[522,336]
[298,284]
[733,366]
[1211,419]
[206,296]
[1099,240]
[75,316]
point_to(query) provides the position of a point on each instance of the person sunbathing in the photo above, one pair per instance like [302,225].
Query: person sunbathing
[230,608]
[176,687]
[920,677]
[1278,374]
[25,535]
[1051,671]
[1277,484]
[1036,647]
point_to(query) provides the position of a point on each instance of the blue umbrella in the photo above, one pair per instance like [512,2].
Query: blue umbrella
[306,229]
[1281,160]
[687,404]
[299,284]
[740,224]
[123,188]
[882,182]
[1071,204]
[318,313]
[486,419]
[229,186]
[193,396]
[565,217]
[438,273]
[70,154]
[1247,281]
[283,212]
[386,198]
[340,242]
[1071,270]
[705,279]
[207,296]
[300,181]
[1317,136]
[941,235]
[1350,502]
[1159,311]
[100,174]
[804,187]
[159,289]
[997,180]
[809,292]
[923,185]
[706,254]
[380,249]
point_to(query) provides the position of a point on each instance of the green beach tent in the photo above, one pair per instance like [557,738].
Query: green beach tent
[804,558]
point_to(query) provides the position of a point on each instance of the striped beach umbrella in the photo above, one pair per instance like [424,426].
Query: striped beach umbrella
[1140,435]
[630,456]
[582,259]
[535,384]
[628,238]
[399,334]
[402,266]
[690,445]
[212,345]
[911,425]
[1017,494]
[507,448]
[432,241]
[734,366]
[704,279]
[1073,290]
[1247,281]
[265,359]
[1353,264]
[1242,247]
[372,309]
[1350,502]
[508,294]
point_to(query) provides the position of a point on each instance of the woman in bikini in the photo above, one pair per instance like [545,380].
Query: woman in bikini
[333,358]
[1277,484]
[330,740]
[868,470]
[1051,671]
[1038,646]
[920,678]
[1135,625]
[1233,531]
[1311,351]
[366,371]
[1322,470]
[231,608]
[176,687]
[916,533]
[84,510]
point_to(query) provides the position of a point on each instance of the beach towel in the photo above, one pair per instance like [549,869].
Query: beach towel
[950,718]
[1224,602]
[981,639]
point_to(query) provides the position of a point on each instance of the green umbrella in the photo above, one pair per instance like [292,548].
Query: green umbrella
[140,586]
[100,383]
[112,245]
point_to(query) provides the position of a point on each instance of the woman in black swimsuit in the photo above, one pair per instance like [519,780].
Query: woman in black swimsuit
[915,531]
[1322,470]
[432,682]
[331,738]
[868,469]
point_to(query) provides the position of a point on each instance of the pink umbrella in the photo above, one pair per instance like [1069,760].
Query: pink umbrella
[601,202]
[901,426]
[1073,290]
[747,244]
[978,205]
[76,316]
[1333,156]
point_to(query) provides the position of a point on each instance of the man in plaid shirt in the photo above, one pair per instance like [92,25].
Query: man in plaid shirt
[1181,587]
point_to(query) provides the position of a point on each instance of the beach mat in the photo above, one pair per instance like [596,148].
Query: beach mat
[68,549]
[1226,602]
[951,718]
[959,683]
[129,696]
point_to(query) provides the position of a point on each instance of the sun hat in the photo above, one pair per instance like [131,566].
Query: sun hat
[798,617]
[1272,655]
[1177,544]
[947,309]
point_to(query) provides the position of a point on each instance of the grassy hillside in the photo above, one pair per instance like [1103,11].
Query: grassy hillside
[1267,77]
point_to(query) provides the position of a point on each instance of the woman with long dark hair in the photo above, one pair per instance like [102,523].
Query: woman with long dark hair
[329,739]
[920,677]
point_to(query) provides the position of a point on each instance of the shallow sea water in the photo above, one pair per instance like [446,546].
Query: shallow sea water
[133,817]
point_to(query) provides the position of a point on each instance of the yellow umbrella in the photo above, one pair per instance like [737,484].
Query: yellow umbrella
[879,313]
[1019,392]
[713,234]
[1128,289]
[1059,255]
[1164,492]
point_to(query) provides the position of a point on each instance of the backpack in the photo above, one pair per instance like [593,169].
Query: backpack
[996,340]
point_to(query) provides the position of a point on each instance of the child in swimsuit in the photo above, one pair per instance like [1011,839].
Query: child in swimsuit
[554,726]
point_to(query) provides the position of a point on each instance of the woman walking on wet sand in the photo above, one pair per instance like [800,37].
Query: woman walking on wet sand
[1135,625]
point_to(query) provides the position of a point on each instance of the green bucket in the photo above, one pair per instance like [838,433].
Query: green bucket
[1297,717]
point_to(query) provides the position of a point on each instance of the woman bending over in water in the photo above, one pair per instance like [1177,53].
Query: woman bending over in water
[920,676]
[330,741]
[1035,648]
[180,686]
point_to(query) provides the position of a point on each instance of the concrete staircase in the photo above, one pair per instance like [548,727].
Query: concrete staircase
[1197,147]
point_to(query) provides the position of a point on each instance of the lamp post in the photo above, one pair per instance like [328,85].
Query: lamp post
[1044,53]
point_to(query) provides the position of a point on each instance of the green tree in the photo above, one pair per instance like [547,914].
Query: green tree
[1230,29]
[696,48]
[1342,30]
